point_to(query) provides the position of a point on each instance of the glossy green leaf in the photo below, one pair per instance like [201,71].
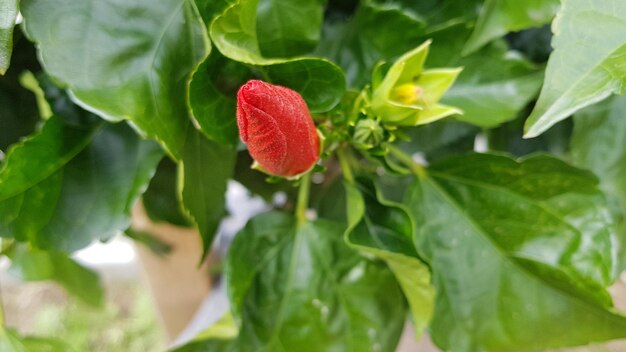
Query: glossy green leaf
[36,265]
[499,17]
[234,33]
[598,143]
[495,84]
[300,288]
[384,230]
[575,77]
[8,13]
[288,28]
[212,93]
[203,176]
[133,61]
[375,32]
[521,253]
[66,186]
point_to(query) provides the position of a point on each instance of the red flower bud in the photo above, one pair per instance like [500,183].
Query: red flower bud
[276,125]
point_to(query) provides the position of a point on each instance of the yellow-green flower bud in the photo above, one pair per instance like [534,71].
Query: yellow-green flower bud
[368,134]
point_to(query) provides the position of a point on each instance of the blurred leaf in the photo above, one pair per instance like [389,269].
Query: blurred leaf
[300,288]
[8,13]
[599,143]
[37,265]
[534,43]
[234,33]
[495,84]
[499,17]
[256,181]
[67,186]
[434,136]
[203,177]
[153,243]
[575,77]
[288,28]
[212,93]
[376,32]
[132,63]
[10,341]
[161,198]
[521,253]
[29,81]
[384,230]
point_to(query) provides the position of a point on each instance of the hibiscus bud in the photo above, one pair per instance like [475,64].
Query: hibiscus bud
[276,125]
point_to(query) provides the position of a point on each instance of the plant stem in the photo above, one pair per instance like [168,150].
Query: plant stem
[407,160]
[345,165]
[303,198]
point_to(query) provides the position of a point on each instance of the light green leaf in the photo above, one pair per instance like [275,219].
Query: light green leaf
[384,230]
[123,60]
[8,13]
[495,83]
[587,64]
[288,28]
[37,265]
[10,341]
[319,81]
[81,183]
[300,288]
[499,17]
[375,32]
[521,253]
[203,176]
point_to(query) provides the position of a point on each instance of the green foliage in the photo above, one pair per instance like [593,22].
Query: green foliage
[8,15]
[577,78]
[486,252]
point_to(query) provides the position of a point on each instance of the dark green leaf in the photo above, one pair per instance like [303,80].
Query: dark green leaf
[153,243]
[288,28]
[577,78]
[161,198]
[234,33]
[376,32]
[521,253]
[123,60]
[384,230]
[256,181]
[494,85]
[66,186]
[37,265]
[203,175]
[212,100]
[300,288]
[499,17]
[8,13]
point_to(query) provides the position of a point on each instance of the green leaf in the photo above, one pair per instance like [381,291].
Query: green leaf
[319,81]
[161,198]
[499,17]
[124,60]
[291,28]
[8,14]
[10,341]
[67,185]
[575,77]
[384,230]
[598,143]
[495,84]
[203,176]
[212,100]
[300,288]
[376,32]
[521,253]
[37,265]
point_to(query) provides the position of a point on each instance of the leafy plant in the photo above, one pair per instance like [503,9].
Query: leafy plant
[381,103]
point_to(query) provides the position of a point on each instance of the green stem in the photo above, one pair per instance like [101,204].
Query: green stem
[303,198]
[345,165]
[407,160]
